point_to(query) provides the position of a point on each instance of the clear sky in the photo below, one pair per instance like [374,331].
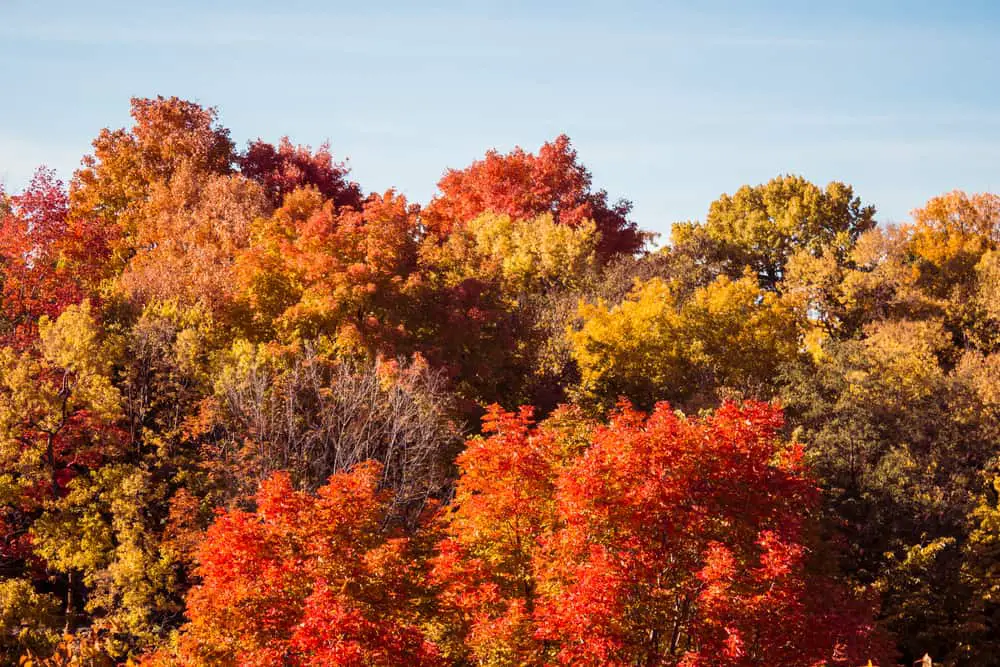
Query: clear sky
[668,103]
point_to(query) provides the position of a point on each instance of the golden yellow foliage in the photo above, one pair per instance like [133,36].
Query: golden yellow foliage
[653,347]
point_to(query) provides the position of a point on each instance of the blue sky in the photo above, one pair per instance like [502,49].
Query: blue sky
[669,104]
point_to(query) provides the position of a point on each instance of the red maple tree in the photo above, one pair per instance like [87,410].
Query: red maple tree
[524,185]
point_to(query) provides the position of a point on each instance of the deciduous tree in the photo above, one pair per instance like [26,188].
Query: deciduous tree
[524,185]
[284,168]
[760,227]
[654,345]
[307,579]
[34,242]
[660,540]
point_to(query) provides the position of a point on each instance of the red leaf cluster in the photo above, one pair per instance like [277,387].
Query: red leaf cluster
[523,186]
[653,539]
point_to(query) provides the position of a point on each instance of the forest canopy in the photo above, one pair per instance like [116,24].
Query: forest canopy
[252,414]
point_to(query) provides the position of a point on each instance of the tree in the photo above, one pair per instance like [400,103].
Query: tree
[636,349]
[524,186]
[120,532]
[951,233]
[728,334]
[760,227]
[234,390]
[987,298]
[981,572]
[899,427]
[188,236]
[554,309]
[684,541]
[362,280]
[313,269]
[28,620]
[307,579]
[59,407]
[314,416]
[283,169]
[115,182]
[486,569]
[521,269]
[649,540]
[105,536]
[528,256]
[879,281]
[34,281]
[58,419]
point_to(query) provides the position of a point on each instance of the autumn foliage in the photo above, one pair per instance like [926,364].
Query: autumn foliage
[307,580]
[252,414]
[649,540]
[523,185]
[47,260]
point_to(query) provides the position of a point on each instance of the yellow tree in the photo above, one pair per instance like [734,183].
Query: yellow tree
[951,233]
[654,346]
[760,227]
[58,414]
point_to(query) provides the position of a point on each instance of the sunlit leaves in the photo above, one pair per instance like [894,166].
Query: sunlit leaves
[655,345]
[527,255]
[190,320]
[27,620]
[525,185]
[951,233]
[760,227]
[313,269]
[663,540]
[116,180]
[36,244]
[306,579]
[57,408]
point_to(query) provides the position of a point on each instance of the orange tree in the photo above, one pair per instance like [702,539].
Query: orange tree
[650,540]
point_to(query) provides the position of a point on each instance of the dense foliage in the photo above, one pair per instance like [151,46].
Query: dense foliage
[253,415]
